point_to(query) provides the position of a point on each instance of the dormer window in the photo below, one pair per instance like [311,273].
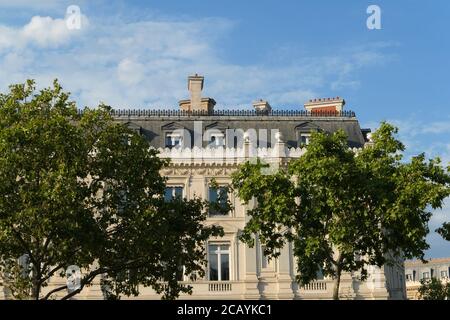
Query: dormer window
[175,135]
[173,140]
[304,139]
[214,134]
[304,131]
[217,140]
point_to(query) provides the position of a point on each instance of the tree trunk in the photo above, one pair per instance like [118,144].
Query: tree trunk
[337,279]
[36,281]
[36,290]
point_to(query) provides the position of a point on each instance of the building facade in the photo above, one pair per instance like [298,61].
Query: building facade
[416,270]
[205,144]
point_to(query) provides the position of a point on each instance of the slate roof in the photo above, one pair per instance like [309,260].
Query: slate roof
[153,125]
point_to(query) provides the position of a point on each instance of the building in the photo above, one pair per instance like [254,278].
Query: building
[416,270]
[204,143]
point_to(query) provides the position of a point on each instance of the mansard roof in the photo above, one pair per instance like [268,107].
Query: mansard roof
[154,123]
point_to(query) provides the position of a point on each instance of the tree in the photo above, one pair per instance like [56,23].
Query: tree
[80,189]
[444,231]
[344,211]
[434,289]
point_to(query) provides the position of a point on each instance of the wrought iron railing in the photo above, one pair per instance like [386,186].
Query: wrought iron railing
[245,113]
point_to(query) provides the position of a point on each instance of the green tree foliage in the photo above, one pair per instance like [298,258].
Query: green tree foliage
[434,289]
[444,231]
[341,211]
[80,189]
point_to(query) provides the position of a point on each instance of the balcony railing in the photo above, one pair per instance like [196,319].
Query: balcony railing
[219,286]
[315,286]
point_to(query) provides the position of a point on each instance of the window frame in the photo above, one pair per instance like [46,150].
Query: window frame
[172,135]
[220,187]
[307,137]
[174,187]
[219,260]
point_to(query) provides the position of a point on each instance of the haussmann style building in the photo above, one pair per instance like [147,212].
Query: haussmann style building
[204,143]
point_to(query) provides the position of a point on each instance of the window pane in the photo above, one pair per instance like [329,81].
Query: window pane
[264,259]
[304,139]
[168,141]
[212,195]
[219,198]
[168,194]
[176,141]
[178,192]
[223,196]
[213,267]
[225,267]
[319,274]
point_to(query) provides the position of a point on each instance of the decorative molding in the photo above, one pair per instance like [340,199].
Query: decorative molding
[231,156]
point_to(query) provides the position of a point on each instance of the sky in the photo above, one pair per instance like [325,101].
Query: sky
[138,54]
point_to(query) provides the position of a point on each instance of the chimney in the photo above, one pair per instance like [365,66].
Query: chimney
[196,102]
[262,106]
[325,105]
[195,87]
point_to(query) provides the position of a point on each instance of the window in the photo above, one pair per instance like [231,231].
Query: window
[217,140]
[304,139]
[444,274]
[264,259]
[409,277]
[172,193]
[173,140]
[218,199]
[319,274]
[425,275]
[219,262]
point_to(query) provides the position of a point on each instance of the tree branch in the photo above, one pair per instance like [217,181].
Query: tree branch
[53,291]
[50,273]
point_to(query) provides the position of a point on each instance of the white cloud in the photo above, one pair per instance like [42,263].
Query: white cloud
[145,63]
[130,72]
[40,31]
[46,31]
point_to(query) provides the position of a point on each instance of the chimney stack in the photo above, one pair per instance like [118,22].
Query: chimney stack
[325,105]
[262,106]
[196,102]
[195,87]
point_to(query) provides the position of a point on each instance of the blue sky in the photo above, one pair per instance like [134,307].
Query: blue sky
[137,54]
